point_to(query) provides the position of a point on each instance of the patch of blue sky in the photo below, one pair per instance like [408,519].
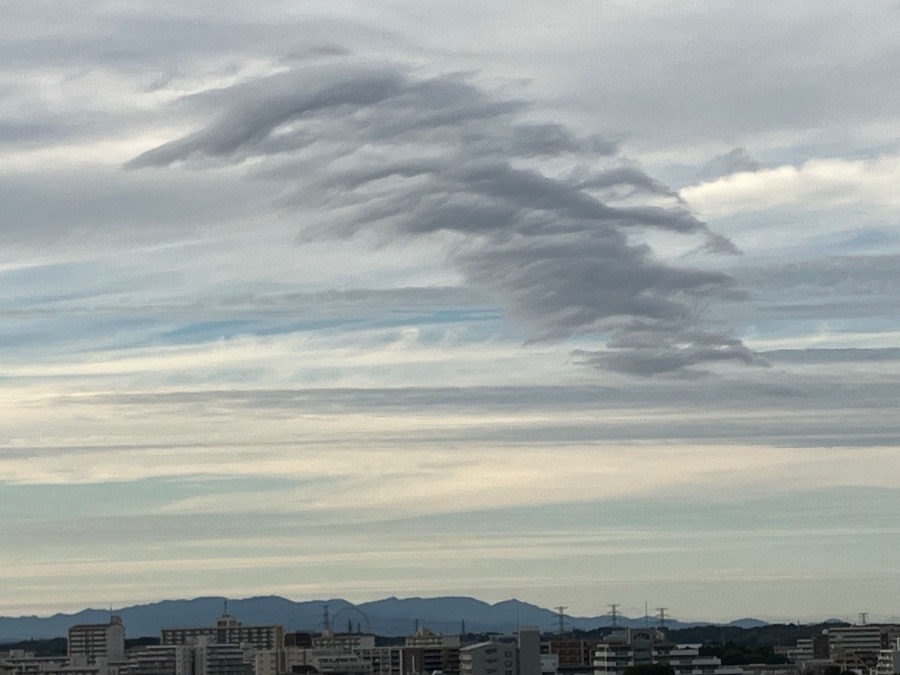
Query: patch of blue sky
[205,331]
[870,239]
[72,334]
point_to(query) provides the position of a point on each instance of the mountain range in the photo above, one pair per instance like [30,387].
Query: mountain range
[389,617]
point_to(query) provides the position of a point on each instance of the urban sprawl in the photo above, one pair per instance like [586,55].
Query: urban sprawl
[231,648]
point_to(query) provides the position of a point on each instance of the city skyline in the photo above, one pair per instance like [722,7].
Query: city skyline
[575,304]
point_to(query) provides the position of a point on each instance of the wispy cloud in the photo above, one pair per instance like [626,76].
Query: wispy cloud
[362,149]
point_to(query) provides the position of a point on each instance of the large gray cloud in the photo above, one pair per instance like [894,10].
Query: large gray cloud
[368,148]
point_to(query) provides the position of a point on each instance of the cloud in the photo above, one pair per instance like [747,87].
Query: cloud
[734,161]
[815,184]
[378,149]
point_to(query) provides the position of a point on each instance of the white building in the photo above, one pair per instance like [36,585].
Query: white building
[549,664]
[94,641]
[889,660]
[633,647]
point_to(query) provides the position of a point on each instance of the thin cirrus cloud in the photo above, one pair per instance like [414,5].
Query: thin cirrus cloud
[550,247]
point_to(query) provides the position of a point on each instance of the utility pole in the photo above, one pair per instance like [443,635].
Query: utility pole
[562,618]
[615,617]
[662,616]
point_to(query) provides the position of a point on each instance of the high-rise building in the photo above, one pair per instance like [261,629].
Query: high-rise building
[93,641]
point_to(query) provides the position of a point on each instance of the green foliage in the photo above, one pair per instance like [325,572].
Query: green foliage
[733,654]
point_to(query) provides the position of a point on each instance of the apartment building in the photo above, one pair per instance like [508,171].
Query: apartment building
[91,642]
[889,660]
[489,658]
[203,657]
[632,647]
[227,630]
[522,657]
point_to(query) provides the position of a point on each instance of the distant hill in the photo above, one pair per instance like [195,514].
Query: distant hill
[748,623]
[389,617]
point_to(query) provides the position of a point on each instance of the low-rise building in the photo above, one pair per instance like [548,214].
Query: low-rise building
[228,630]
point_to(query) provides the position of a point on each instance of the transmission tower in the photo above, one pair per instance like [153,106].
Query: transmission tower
[326,621]
[614,614]
[662,616]
[562,618]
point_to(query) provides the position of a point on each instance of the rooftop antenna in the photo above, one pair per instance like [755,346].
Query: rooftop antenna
[562,618]
[662,616]
[863,618]
[615,616]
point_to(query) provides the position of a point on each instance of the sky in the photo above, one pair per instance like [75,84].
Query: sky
[582,302]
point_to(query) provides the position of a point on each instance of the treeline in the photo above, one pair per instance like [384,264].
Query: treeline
[736,655]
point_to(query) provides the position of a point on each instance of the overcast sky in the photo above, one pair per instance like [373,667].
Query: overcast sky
[580,302]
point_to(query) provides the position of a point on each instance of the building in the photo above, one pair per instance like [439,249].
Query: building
[489,658]
[203,657]
[227,630]
[529,642]
[95,641]
[427,652]
[503,657]
[845,640]
[346,642]
[858,648]
[26,663]
[686,660]
[630,647]
[387,660]
[633,647]
[162,660]
[574,656]
[889,660]
[549,664]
